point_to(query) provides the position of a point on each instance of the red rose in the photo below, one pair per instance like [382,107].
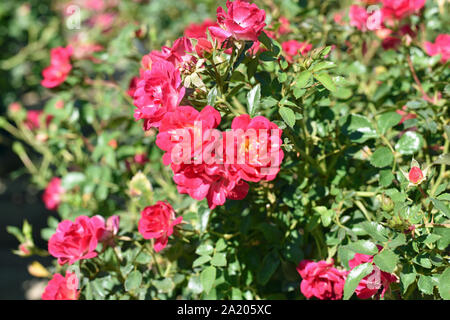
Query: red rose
[59,67]
[62,288]
[243,21]
[215,182]
[189,130]
[358,17]
[77,240]
[399,9]
[179,55]
[158,91]
[440,46]
[157,223]
[293,47]
[321,280]
[52,194]
[255,150]
[371,284]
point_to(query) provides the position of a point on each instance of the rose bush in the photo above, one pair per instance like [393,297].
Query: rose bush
[240,150]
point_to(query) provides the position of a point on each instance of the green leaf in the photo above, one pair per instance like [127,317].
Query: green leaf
[325,80]
[219,259]
[72,179]
[425,284]
[375,230]
[386,260]
[382,157]
[326,215]
[212,95]
[407,277]
[354,278]
[269,265]
[204,249]
[200,260]
[195,285]
[133,281]
[164,286]
[323,65]
[288,116]
[363,246]
[443,159]
[220,245]
[444,284]
[253,98]
[441,207]
[302,79]
[388,120]
[207,278]
[386,178]
[409,143]
[360,128]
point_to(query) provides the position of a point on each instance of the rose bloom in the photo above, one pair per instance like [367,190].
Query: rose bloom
[183,123]
[179,55]
[77,240]
[132,86]
[62,288]
[158,91]
[157,223]
[243,21]
[198,32]
[440,46]
[33,119]
[257,153]
[321,280]
[215,182]
[358,17]
[52,194]
[293,47]
[399,9]
[111,230]
[59,68]
[370,285]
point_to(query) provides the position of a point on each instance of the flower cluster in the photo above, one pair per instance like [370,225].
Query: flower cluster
[206,162]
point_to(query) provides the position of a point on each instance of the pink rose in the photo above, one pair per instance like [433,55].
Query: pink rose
[62,288]
[179,55]
[157,223]
[399,9]
[158,91]
[293,47]
[321,280]
[190,124]
[215,182]
[59,67]
[257,153]
[358,17]
[52,194]
[440,46]
[243,21]
[198,32]
[77,240]
[371,284]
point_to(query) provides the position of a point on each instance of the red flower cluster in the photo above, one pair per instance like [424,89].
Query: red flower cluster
[59,68]
[193,146]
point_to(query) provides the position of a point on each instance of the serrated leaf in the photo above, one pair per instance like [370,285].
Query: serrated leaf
[72,179]
[382,157]
[207,278]
[363,246]
[204,249]
[201,260]
[444,284]
[388,120]
[253,98]
[386,260]
[219,259]
[425,284]
[325,80]
[133,280]
[441,206]
[409,143]
[287,115]
[302,79]
[354,277]
[269,265]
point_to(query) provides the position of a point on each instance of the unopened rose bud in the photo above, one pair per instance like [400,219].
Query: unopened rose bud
[415,175]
